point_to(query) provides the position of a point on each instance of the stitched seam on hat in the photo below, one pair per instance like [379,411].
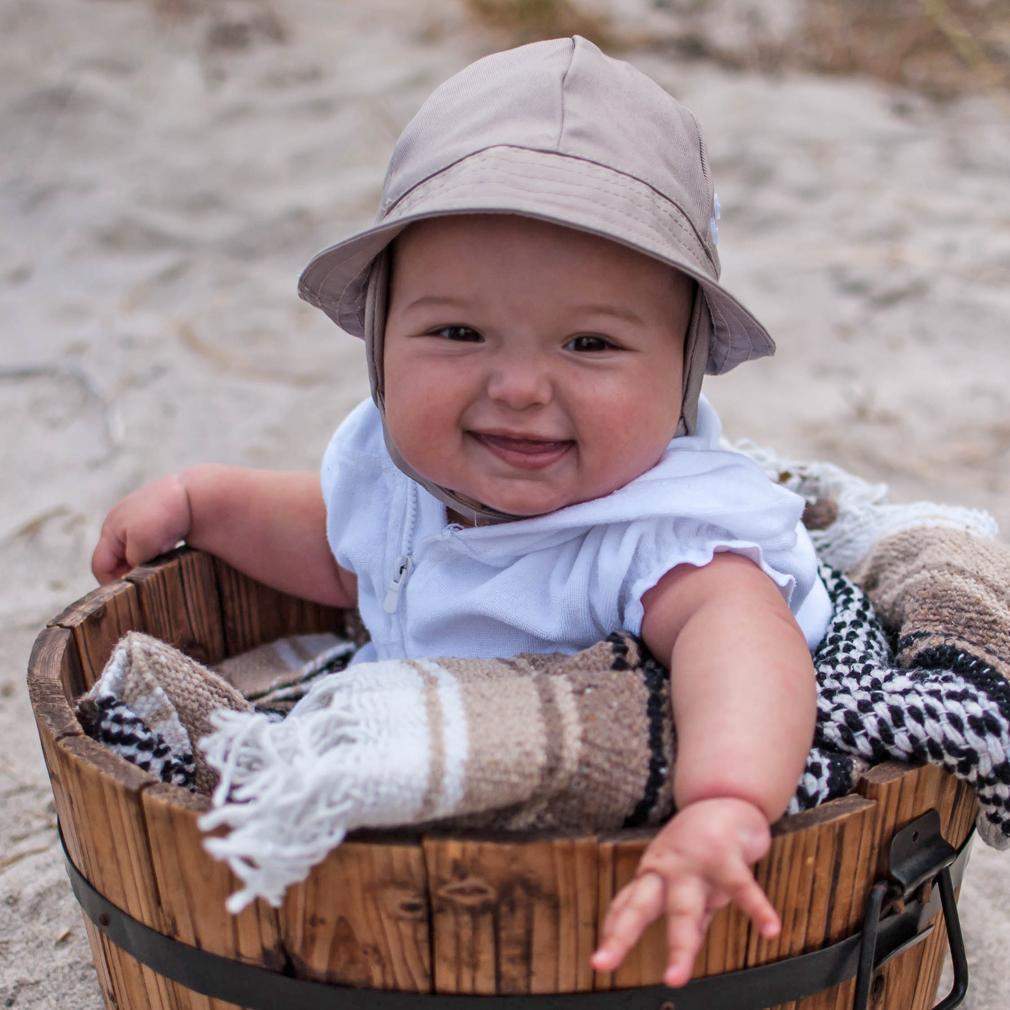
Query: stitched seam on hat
[564,77]
[676,214]
[632,180]
[627,189]
[673,214]
[726,344]
[318,294]
[335,303]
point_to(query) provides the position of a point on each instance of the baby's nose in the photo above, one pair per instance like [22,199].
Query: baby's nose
[519,381]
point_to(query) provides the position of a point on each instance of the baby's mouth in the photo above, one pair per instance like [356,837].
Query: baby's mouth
[526,452]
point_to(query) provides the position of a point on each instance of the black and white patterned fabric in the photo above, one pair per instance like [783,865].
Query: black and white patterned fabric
[950,709]
[113,723]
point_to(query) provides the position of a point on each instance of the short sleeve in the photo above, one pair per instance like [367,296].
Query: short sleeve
[352,479]
[660,546]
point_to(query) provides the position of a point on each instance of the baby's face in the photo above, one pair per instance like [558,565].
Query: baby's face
[530,366]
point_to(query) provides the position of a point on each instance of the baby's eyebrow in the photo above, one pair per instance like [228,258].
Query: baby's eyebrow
[458,303]
[618,311]
[596,309]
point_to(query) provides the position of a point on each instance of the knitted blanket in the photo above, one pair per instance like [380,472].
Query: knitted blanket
[303,750]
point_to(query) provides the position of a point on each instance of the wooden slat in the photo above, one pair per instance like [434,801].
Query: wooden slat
[108,842]
[361,918]
[617,860]
[97,621]
[180,604]
[817,874]
[821,894]
[253,613]
[104,811]
[814,876]
[193,886]
[100,953]
[502,912]
[54,678]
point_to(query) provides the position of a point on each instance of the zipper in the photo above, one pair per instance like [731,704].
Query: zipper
[392,601]
[405,562]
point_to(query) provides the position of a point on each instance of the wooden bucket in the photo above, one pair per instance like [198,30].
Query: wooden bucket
[422,913]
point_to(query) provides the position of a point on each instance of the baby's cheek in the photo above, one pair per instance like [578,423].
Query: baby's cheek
[425,430]
[627,438]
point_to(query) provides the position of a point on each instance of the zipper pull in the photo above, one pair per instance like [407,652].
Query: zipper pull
[392,600]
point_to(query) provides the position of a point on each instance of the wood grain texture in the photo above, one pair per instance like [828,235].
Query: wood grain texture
[253,613]
[180,603]
[361,918]
[110,847]
[97,621]
[503,913]
[192,889]
[808,875]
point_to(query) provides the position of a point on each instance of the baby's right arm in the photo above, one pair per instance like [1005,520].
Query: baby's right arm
[269,524]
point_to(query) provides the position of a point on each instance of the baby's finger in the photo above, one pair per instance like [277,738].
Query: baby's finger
[738,881]
[685,910]
[618,902]
[630,892]
[623,926]
[107,560]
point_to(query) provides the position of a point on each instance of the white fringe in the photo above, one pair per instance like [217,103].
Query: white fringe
[352,752]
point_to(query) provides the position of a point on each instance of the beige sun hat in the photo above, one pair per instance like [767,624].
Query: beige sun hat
[559,131]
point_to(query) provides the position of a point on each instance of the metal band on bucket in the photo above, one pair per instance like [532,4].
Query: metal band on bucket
[259,988]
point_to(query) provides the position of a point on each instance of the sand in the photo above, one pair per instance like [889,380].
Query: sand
[168,170]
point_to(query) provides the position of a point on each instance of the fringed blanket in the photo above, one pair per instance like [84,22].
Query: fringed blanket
[578,743]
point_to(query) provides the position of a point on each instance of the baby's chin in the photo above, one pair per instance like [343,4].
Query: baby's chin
[524,505]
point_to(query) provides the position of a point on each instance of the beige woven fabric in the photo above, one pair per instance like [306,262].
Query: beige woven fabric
[942,588]
[560,741]
[532,742]
[171,692]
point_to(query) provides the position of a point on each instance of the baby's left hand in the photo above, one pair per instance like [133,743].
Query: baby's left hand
[699,862]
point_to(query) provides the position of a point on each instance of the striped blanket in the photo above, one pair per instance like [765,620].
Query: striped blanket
[297,749]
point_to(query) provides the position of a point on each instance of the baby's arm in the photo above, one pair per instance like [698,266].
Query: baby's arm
[269,524]
[744,698]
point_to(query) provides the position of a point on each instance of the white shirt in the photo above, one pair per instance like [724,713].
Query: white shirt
[557,582]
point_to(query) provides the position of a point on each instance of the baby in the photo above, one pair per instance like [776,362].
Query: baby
[536,467]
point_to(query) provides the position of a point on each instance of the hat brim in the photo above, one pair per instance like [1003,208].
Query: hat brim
[557,188]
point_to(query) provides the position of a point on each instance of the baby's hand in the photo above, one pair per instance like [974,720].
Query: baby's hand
[147,522]
[699,862]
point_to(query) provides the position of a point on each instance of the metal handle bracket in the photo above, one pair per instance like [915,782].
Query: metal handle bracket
[919,857]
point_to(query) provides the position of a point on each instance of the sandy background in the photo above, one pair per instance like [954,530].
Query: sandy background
[168,169]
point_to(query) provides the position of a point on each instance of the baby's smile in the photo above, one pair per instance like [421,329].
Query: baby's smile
[532,452]
[529,366]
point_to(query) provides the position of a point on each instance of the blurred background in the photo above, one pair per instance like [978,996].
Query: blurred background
[169,166]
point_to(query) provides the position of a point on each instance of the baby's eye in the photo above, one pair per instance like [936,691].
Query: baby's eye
[589,342]
[457,333]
